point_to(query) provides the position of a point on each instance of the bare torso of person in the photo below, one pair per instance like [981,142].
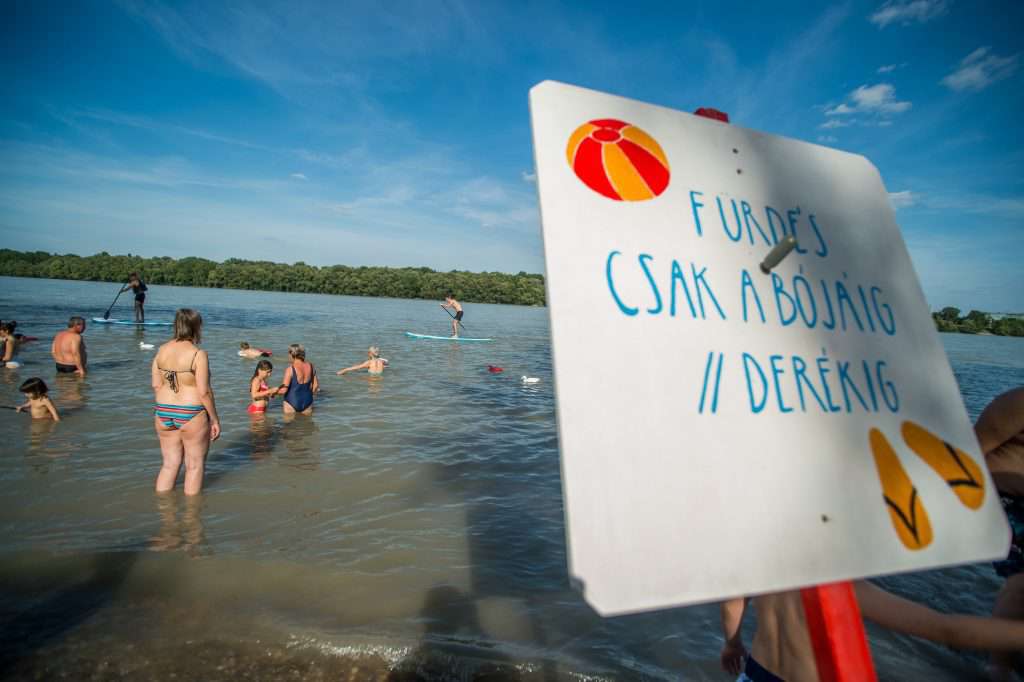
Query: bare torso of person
[8,347]
[782,643]
[66,346]
[176,363]
[1006,463]
[1000,430]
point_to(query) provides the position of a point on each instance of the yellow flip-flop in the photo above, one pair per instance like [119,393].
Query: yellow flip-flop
[906,510]
[957,468]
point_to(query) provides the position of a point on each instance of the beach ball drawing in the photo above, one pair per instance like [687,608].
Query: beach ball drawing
[618,160]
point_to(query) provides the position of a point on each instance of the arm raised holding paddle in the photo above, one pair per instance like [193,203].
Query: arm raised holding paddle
[451,304]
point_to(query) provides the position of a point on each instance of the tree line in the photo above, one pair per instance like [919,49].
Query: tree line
[480,287]
[976,322]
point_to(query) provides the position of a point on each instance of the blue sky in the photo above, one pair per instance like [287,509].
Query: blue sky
[342,133]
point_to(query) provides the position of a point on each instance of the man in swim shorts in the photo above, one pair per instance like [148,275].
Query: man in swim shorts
[68,348]
[451,303]
[1000,431]
[782,647]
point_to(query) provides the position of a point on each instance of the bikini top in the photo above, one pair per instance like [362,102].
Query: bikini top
[171,375]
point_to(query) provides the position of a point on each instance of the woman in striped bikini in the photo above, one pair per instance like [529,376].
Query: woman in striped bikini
[185,415]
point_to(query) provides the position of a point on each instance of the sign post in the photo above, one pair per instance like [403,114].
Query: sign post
[732,423]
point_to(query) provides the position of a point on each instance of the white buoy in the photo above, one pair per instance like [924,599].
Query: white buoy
[146,346]
[530,380]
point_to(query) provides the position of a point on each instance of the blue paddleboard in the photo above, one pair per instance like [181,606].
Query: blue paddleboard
[100,320]
[443,338]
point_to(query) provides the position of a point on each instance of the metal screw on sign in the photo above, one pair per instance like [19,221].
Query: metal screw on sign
[776,255]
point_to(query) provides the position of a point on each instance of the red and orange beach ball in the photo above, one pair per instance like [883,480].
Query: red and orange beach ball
[618,160]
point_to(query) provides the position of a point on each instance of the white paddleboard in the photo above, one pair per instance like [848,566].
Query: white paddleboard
[443,338]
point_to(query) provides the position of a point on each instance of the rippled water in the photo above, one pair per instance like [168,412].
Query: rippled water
[412,529]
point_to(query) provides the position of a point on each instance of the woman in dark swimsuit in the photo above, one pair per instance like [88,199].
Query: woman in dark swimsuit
[300,382]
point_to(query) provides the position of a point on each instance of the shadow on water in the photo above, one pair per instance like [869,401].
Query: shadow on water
[510,490]
[244,449]
[300,435]
[452,635]
[37,613]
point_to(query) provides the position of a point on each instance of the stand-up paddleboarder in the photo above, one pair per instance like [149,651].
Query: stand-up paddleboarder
[138,288]
[450,302]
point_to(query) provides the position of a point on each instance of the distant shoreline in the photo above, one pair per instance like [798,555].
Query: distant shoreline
[949,320]
[372,281]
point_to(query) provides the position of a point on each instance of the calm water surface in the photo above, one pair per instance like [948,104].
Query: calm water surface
[412,529]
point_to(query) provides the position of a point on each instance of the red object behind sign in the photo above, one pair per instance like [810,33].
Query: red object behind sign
[837,633]
[708,112]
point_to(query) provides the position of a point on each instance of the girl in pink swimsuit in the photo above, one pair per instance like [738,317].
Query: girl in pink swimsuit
[258,389]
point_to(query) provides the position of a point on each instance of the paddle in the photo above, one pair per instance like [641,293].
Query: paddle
[453,317]
[8,407]
[106,315]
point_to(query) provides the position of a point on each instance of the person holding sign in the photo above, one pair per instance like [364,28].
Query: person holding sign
[1000,431]
[450,302]
[782,645]
[138,287]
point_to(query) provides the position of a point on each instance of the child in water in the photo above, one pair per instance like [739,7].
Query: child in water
[258,389]
[8,345]
[374,363]
[248,351]
[39,404]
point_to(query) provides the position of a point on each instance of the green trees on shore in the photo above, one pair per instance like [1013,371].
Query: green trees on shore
[976,322]
[480,287]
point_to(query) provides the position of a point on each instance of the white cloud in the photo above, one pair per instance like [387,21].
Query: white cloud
[980,69]
[881,97]
[835,123]
[840,110]
[529,176]
[904,199]
[878,102]
[906,12]
[299,176]
[887,68]
[827,138]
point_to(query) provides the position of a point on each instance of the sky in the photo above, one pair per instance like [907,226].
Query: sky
[344,133]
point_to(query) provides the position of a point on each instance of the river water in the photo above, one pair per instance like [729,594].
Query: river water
[412,529]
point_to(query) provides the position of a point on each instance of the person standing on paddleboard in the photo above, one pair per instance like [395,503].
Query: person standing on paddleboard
[139,288]
[68,348]
[451,303]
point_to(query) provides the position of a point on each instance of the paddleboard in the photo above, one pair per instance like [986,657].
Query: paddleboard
[443,338]
[100,320]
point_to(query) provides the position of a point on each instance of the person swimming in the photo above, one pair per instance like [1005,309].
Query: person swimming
[374,364]
[258,389]
[247,351]
[39,404]
[299,383]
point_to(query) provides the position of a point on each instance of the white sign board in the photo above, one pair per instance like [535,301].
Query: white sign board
[726,431]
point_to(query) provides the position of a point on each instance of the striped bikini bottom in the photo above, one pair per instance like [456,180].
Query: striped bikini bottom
[176,416]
